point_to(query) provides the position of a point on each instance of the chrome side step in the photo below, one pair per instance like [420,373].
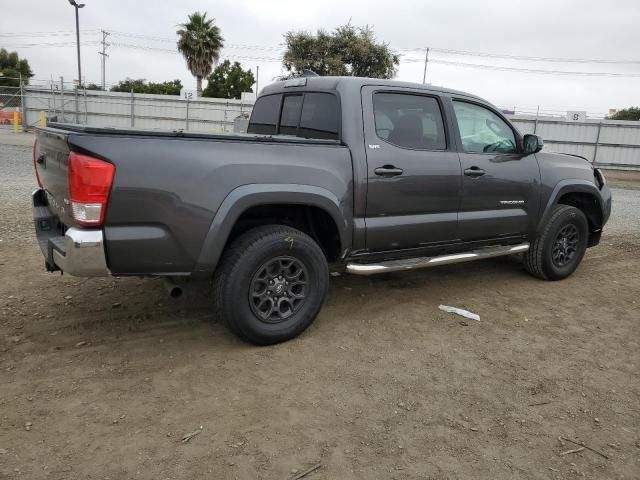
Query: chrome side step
[424,262]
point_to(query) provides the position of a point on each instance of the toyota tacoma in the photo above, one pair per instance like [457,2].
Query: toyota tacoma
[367,175]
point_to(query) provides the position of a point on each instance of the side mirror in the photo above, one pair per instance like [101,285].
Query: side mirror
[532,144]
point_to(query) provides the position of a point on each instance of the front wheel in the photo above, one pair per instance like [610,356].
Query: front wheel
[271,284]
[558,250]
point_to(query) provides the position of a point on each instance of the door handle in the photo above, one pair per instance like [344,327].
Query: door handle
[388,171]
[474,172]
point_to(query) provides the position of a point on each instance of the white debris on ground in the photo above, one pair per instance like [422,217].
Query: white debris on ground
[460,311]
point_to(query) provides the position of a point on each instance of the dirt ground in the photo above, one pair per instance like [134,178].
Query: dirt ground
[102,378]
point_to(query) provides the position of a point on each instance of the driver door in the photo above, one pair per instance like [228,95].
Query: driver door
[500,185]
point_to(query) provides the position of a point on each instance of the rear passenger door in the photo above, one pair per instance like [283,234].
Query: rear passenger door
[414,174]
[500,185]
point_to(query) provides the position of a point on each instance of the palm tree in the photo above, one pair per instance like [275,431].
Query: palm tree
[200,42]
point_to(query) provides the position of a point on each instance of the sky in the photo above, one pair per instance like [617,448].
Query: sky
[143,33]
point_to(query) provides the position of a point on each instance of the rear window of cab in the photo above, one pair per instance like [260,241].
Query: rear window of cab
[303,115]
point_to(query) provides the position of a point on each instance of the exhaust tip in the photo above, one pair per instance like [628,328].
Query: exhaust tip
[173,290]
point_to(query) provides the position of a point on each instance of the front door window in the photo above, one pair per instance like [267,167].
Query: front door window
[482,131]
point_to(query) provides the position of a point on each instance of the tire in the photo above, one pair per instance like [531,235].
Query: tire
[558,250]
[257,311]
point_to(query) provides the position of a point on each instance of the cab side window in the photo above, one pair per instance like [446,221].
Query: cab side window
[482,131]
[409,121]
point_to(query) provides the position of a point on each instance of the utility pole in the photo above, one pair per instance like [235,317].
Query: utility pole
[104,55]
[257,79]
[426,61]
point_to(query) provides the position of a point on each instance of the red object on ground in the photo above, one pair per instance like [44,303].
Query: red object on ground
[6,117]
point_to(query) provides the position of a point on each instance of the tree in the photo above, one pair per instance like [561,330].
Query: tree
[631,113]
[91,86]
[12,67]
[348,50]
[199,41]
[141,86]
[229,81]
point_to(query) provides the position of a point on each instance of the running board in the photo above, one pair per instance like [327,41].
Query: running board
[424,262]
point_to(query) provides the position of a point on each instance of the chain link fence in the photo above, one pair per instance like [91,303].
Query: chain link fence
[63,102]
[11,103]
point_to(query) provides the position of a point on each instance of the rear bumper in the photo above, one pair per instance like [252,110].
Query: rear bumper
[77,251]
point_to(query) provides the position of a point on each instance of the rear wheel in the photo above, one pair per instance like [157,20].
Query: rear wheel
[270,284]
[558,250]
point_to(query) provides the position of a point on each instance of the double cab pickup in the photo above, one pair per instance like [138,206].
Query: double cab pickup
[367,175]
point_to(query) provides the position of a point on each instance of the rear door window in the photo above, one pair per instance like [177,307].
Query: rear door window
[308,115]
[409,121]
[320,116]
[264,117]
[290,117]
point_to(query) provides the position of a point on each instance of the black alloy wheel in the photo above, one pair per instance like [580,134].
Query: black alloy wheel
[565,245]
[278,289]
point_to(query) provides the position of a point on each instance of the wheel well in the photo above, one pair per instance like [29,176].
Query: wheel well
[313,221]
[588,204]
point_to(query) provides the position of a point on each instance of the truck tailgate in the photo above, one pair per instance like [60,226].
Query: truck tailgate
[51,154]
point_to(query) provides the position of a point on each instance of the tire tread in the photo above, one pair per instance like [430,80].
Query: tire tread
[232,259]
[533,258]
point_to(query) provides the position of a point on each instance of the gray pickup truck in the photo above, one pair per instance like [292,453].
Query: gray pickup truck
[370,175]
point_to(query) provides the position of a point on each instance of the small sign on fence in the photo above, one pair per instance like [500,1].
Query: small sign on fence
[188,94]
[576,116]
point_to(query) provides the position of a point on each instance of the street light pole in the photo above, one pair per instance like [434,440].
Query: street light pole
[426,61]
[77,7]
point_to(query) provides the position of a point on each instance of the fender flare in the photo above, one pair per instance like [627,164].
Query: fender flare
[246,196]
[569,186]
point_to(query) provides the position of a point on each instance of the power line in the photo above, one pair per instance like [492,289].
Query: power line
[55,44]
[175,52]
[526,70]
[536,59]
[507,56]
[441,50]
[411,60]
[468,53]
[174,40]
[61,33]
[145,37]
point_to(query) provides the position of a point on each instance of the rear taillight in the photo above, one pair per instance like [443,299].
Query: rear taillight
[89,186]
[35,165]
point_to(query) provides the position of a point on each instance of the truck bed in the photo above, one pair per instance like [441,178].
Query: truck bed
[236,137]
[169,186]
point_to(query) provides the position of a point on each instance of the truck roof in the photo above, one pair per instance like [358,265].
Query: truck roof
[336,83]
